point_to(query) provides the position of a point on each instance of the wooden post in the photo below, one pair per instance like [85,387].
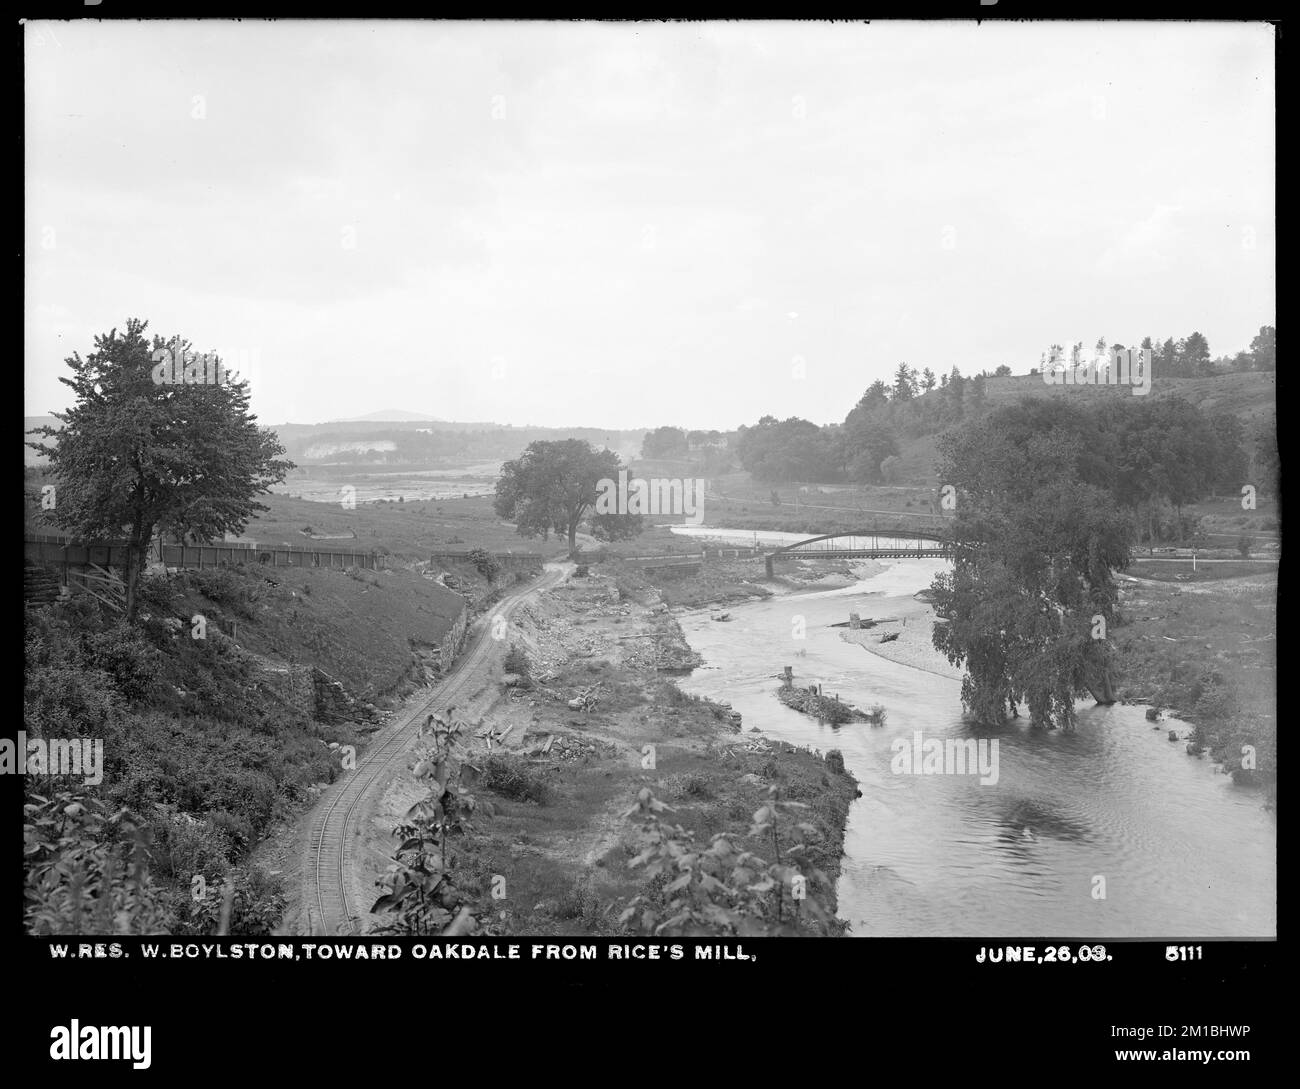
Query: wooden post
[788,677]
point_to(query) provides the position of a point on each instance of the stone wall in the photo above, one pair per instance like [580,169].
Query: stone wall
[453,641]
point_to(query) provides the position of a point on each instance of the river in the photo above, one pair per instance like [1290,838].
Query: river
[1183,851]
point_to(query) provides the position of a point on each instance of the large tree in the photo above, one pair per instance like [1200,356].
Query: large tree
[905,385]
[867,438]
[781,451]
[1036,541]
[553,486]
[136,455]
[1263,349]
[665,442]
[1195,356]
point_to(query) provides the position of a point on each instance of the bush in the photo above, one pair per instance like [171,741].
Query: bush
[687,786]
[579,902]
[224,586]
[125,655]
[237,830]
[85,870]
[511,778]
[183,847]
[517,663]
[256,909]
[485,563]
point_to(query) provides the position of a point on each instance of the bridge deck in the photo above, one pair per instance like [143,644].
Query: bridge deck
[860,553]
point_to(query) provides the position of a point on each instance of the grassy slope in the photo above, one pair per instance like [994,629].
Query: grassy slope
[409,531]
[201,737]
[1207,651]
[363,629]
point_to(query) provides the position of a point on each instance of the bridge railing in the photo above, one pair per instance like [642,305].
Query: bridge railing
[866,541]
[667,557]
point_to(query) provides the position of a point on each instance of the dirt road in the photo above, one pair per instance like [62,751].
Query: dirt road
[333,901]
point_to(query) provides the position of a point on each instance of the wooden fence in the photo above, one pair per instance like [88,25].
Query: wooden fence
[66,554]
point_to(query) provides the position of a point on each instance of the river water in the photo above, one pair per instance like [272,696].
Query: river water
[1183,851]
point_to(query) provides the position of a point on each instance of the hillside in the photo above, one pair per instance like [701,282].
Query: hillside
[218,742]
[1251,396]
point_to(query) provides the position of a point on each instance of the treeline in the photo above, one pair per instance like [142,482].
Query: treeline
[1187,357]
[708,451]
[1150,458]
[864,448]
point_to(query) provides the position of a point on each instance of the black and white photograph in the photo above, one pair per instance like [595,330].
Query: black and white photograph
[589,487]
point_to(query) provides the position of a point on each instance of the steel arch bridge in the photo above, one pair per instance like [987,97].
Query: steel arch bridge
[863,544]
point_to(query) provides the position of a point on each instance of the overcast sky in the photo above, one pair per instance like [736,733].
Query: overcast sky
[623,226]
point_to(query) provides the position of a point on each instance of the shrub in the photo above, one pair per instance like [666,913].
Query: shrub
[485,563]
[225,586]
[86,869]
[687,786]
[517,663]
[237,830]
[578,901]
[256,907]
[511,778]
[183,847]
[126,656]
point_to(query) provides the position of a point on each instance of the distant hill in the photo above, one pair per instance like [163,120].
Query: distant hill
[391,415]
[408,438]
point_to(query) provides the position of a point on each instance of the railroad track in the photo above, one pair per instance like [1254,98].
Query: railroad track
[334,832]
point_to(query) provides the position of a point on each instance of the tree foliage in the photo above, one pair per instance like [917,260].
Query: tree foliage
[553,486]
[1051,497]
[135,456]
[665,442]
